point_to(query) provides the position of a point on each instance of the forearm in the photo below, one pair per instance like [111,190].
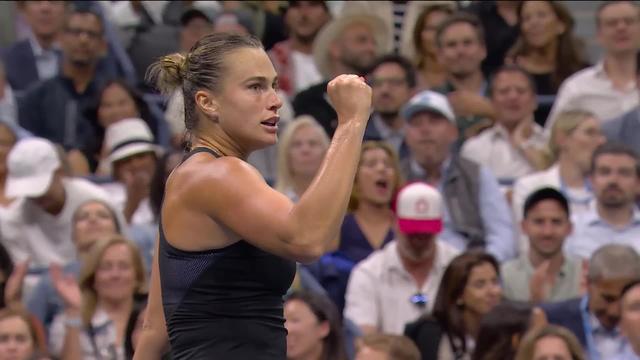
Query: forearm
[323,205]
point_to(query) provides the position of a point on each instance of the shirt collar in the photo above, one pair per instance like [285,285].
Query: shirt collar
[597,328]
[382,127]
[599,69]
[38,50]
[592,217]
[418,170]
[529,269]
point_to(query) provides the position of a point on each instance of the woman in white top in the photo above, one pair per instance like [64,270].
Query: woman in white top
[574,137]
[100,305]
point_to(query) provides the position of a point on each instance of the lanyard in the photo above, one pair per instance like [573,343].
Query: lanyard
[588,331]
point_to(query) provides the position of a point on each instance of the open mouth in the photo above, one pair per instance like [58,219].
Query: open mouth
[272,122]
[382,184]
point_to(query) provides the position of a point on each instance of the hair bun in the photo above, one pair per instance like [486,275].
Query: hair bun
[167,73]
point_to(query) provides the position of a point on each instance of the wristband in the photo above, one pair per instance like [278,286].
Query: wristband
[73,322]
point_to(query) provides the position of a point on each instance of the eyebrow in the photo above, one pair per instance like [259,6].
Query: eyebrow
[261,79]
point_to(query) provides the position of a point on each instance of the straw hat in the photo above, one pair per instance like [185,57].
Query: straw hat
[334,29]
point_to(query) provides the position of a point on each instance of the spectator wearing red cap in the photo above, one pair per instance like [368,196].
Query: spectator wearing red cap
[397,284]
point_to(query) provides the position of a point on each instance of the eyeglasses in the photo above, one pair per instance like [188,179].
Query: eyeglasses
[419,299]
[77,32]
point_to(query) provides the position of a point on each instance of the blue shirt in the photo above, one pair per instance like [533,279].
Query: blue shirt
[494,211]
[590,232]
[627,354]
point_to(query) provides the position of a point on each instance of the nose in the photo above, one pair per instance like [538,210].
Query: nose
[275,102]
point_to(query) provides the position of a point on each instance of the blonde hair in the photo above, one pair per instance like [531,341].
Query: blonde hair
[88,273]
[284,176]
[565,122]
[527,347]
[354,199]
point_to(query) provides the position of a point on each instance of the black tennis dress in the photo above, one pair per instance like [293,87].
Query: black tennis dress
[225,303]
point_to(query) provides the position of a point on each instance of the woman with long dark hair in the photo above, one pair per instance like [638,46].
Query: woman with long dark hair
[469,289]
[547,48]
[314,329]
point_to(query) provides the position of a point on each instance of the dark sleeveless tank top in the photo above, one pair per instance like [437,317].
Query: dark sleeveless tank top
[224,303]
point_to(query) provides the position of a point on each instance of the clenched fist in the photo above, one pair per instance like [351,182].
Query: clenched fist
[350,97]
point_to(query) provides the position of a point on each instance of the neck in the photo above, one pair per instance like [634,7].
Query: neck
[45,42]
[471,323]
[433,171]
[621,68]
[472,82]
[556,260]
[619,216]
[419,269]
[393,121]
[431,64]
[80,75]
[315,353]
[117,308]
[374,212]
[570,173]
[511,126]
[219,144]
[301,184]
[302,46]
[544,56]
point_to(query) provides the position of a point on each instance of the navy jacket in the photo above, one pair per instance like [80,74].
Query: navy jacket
[20,64]
[567,314]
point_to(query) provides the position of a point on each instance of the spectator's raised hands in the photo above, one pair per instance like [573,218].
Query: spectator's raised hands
[66,286]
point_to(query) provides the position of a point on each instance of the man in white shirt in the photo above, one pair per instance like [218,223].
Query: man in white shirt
[508,147]
[38,227]
[398,284]
[607,89]
[613,217]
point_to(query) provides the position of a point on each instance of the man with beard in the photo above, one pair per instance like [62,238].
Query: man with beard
[461,49]
[397,284]
[476,214]
[613,217]
[53,109]
[293,58]
[392,79]
[346,45]
[544,273]
[594,318]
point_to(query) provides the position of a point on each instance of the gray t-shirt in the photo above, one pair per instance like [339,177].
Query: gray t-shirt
[516,274]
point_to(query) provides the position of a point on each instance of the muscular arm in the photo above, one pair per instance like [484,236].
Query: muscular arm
[243,201]
[154,341]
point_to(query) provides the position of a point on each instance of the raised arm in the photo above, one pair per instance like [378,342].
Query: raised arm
[243,202]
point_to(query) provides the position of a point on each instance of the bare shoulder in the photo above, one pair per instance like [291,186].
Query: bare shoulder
[203,176]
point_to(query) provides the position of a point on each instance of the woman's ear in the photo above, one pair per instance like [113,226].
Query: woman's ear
[206,102]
